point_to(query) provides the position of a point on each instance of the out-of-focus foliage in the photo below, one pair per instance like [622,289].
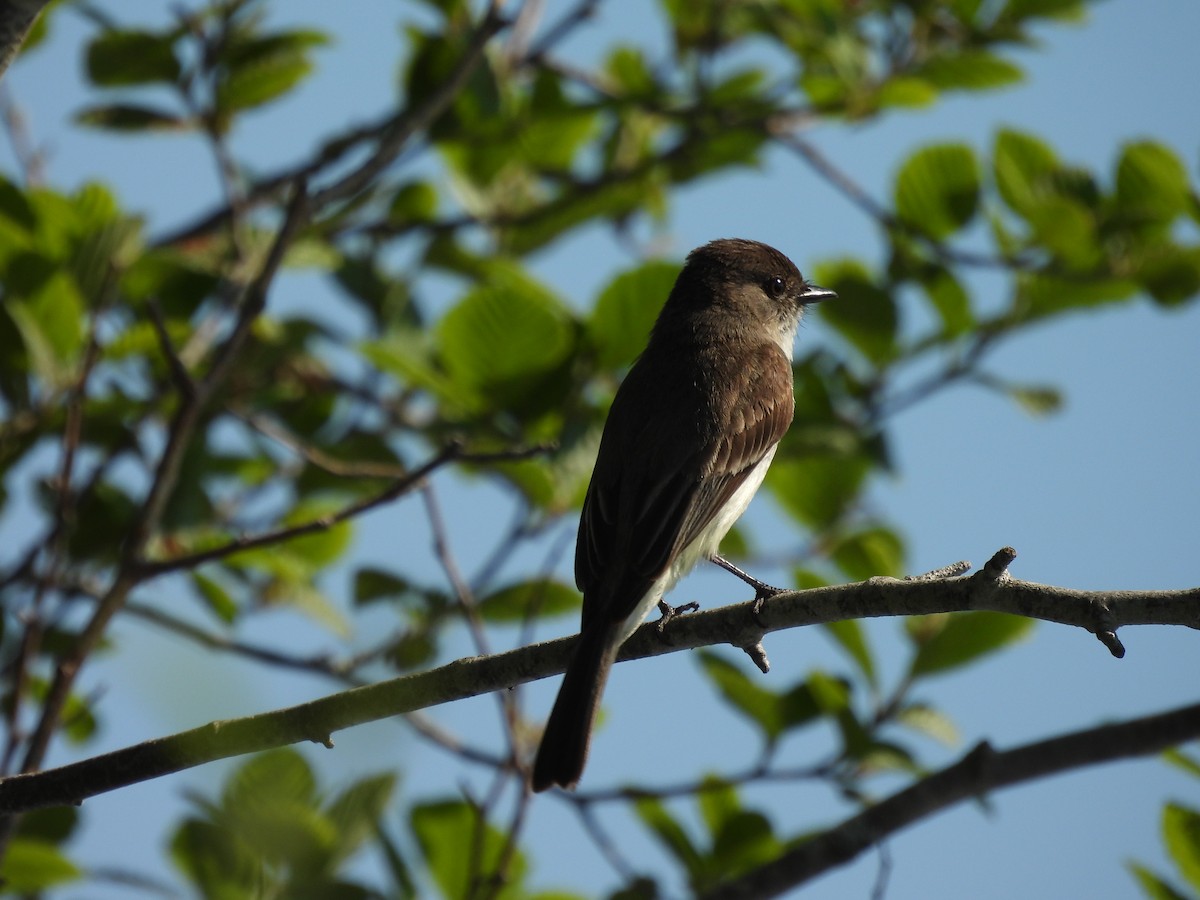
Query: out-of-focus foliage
[108,324]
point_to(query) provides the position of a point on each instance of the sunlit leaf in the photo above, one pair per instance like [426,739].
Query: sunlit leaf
[539,597]
[852,638]
[1181,835]
[619,326]
[1152,181]
[963,638]
[443,829]
[863,313]
[937,189]
[33,866]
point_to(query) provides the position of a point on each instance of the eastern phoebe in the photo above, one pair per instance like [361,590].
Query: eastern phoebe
[688,440]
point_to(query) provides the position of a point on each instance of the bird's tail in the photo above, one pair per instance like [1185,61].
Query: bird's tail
[564,747]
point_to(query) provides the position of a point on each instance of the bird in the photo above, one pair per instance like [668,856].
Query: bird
[687,442]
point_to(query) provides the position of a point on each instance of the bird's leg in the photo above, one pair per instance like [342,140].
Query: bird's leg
[762,591]
[669,612]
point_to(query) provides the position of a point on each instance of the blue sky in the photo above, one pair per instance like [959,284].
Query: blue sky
[1103,495]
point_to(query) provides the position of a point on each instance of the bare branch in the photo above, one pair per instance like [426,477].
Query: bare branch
[980,771]
[989,589]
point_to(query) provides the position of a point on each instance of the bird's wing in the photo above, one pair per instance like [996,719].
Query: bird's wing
[638,517]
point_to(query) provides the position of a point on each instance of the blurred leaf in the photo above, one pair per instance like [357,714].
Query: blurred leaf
[52,824]
[817,490]
[1039,295]
[541,597]
[215,597]
[1037,400]
[259,69]
[1181,835]
[32,866]
[744,842]
[1154,887]
[356,812]
[863,313]
[773,713]
[444,829]
[852,637]
[119,58]
[907,91]
[1170,274]
[47,309]
[671,835]
[1181,760]
[964,638]
[950,300]
[620,323]
[930,722]
[131,117]
[504,336]
[1151,181]
[377,584]
[1022,166]
[973,70]
[760,705]
[870,552]
[937,189]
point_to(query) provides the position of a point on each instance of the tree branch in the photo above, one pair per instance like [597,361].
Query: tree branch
[980,771]
[991,588]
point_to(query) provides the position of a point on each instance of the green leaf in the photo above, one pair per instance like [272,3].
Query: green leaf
[504,337]
[972,70]
[1153,886]
[215,597]
[120,58]
[1170,274]
[356,812]
[131,117]
[930,722]
[863,313]
[761,706]
[1181,835]
[1151,181]
[745,841]
[937,189]
[620,324]
[962,638]
[269,777]
[32,866]
[444,830]
[261,69]
[371,585]
[1037,400]
[951,301]
[1023,167]
[717,801]
[670,833]
[215,861]
[1040,295]
[46,307]
[870,552]
[542,597]
[1183,761]
[850,635]
[773,713]
[817,490]
[907,92]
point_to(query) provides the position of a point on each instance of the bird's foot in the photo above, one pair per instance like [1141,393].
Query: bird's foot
[669,612]
[762,591]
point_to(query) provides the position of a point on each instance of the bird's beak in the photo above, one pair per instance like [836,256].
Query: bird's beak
[815,294]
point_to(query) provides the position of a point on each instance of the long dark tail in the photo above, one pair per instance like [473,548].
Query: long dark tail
[564,748]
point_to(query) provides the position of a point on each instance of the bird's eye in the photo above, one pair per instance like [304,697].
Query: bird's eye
[775,286]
